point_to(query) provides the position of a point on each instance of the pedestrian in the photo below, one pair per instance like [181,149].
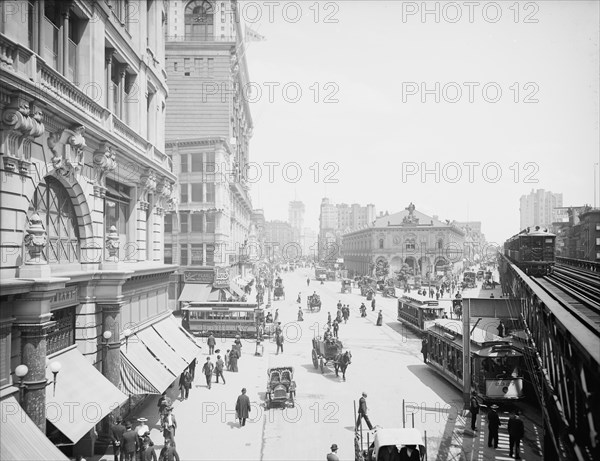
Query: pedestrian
[373,303]
[219,369]
[474,409]
[168,453]
[279,342]
[211,342]
[333,455]
[116,433]
[147,452]
[185,383]
[336,328]
[516,431]
[276,315]
[501,329]
[437,294]
[207,369]
[233,359]
[169,425]
[493,426]
[242,407]
[227,366]
[307,282]
[431,292]
[424,348]
[380,318]
[192,368]
[339,304]
[362,412]
[163,402]
[299,300]
[128,443]
[492,296]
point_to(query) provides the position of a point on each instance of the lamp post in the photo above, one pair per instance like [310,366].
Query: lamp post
[22,370]
[105,339]
[127,333]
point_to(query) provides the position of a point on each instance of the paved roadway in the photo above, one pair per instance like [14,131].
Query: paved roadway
[386,363]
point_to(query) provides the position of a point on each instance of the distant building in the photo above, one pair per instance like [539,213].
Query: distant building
[579,236]
[407,237]
[309,242]
[296,219]
[475,243]
[538,208]
[279,241]
[335,220]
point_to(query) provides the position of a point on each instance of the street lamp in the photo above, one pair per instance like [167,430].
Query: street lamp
[127,334]
[22,370]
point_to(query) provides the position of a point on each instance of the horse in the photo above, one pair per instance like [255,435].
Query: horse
[341,362]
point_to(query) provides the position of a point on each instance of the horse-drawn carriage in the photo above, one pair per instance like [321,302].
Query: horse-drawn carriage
[278,292]
[330,352]
[313,302]
[346,286]
[281,387]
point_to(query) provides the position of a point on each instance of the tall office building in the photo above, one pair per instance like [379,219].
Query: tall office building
[538,208]
[296,219]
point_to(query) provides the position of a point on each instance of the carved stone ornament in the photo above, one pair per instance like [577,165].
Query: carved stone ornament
[35,240]
[67,147]
[112,245]
[148,184]
[21,120]
[164,191]
[105,161]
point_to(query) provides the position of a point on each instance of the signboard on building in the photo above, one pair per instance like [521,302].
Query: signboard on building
[199,276]
[221,277]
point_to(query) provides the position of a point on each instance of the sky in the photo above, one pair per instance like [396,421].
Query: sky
[460,113]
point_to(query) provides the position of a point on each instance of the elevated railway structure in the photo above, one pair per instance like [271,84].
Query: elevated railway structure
[561,315]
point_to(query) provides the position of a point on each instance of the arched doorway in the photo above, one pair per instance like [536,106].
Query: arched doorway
[199,21]
[440,265]
[412,263]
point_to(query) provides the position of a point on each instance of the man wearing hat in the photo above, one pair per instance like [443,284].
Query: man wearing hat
[333,455]
[128,443]
[362,412]
[169,424]
[116,432]
[242,407]
[493,426]
[516,431]
[207,369]
[474,409]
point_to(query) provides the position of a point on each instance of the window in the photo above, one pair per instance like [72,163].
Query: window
[199,65]
[381,243]
[184,193]
[199,19]
[440,244]
[5,343]
[53,204]
[197,192]
[410,244]
[197,222]
[175,63]
[197,254]
[168,258]
[183,260]
[210,255]
[168,223]
[210,192]
[184,218]
[116,213]
[53,48]
[210,223]
[63,334]
[196,162]
[186,66]
[184,163]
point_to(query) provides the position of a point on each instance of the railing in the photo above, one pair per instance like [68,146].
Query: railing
[592,266]
[198,38]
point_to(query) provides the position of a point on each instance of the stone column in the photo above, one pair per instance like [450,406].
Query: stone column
[33,355]
[65,39]
[111,358]
[109,90]
[122,72]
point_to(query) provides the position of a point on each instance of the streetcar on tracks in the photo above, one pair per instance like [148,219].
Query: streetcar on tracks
[532,250]
[497,365]
[417,311]
[227,319]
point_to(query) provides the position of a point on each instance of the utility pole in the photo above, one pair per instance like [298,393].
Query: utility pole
[466,328]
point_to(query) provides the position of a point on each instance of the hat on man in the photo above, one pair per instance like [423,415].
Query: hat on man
[494,407]
[334,447]
[128,425]
[142,420]
[364,394]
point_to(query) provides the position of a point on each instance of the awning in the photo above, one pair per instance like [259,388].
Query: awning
[136,358]
[21,438]
[82,395]
[215,296]
[198,292]
[178,338]
[235,289]
[157,345]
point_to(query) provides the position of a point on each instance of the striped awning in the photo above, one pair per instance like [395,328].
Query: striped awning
[21,438]
[138,357]
[172,332]
[132,381]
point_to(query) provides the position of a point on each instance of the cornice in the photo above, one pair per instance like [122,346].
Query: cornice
[193,142]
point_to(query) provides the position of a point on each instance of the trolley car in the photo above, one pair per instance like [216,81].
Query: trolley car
[496,364]
[223,318]
[417,311]
[532,250]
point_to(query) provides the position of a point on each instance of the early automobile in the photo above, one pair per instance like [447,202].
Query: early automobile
[281,387]
[279,292]
[397,443]
[313,301]
[346,286]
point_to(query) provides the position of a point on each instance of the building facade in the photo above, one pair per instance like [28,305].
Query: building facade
[408,237]
[279,242]
[85,186]
[538,208]
[579,236]
[208,130]
[296,219]
[309,243]
[475,247]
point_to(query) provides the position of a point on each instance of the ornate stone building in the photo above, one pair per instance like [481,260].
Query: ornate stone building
[408,237]
[209,127]
[85,185]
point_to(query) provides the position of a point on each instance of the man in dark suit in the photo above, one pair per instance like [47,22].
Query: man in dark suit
[242,407]
[493,426]
[128,443]
[409,453]
[362,412]
[474,409]
[169,453]
[516,431]
[116,432]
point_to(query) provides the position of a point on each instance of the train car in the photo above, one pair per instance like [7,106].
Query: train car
[497,365]
[226,319]
[418,312]
[532,250]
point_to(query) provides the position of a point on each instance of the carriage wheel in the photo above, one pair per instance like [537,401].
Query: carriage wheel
[315,359]
[322,365]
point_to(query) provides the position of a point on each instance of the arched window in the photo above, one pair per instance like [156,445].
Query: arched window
[410,244]
[199,21]
[440,244]
[53,204]
[381,243]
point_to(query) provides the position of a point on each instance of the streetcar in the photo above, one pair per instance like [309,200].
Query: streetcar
[417,311]
[497,365]
[320,273]
[225,319]
[532,250]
